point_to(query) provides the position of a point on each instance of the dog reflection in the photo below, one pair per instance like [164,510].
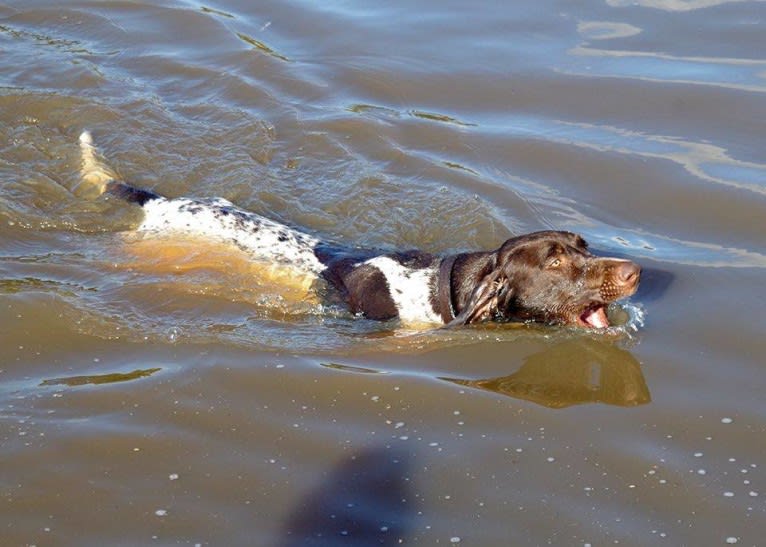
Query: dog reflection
[571,373]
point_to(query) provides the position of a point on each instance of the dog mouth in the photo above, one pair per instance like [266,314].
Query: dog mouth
[622,282]
[594,317]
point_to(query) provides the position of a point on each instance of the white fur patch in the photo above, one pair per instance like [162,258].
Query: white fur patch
[410,289]
[258,236]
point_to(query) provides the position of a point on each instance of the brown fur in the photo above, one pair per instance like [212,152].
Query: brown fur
[548,277]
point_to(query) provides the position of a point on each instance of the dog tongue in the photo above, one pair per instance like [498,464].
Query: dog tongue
[596,318]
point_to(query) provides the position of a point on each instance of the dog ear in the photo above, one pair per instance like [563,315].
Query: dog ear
[483,298]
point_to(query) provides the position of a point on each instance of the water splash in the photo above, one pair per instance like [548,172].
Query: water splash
[627,319]
[173,334]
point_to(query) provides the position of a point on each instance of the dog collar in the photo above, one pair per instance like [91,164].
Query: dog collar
[446,308]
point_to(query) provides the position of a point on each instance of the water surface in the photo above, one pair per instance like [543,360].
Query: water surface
[144,404]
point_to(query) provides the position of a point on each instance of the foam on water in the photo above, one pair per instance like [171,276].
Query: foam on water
[629,317]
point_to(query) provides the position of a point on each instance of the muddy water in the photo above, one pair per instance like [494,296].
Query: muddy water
[147,404]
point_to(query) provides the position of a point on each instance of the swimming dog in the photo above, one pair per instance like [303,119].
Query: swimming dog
[548,276]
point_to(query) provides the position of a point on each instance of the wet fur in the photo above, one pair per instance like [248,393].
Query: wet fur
[548,277]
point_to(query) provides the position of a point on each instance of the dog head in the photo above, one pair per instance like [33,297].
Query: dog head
[548,277]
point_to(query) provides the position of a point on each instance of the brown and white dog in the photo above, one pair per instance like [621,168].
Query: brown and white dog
[548,277]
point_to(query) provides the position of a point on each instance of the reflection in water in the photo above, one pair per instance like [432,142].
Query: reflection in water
[573,372]
[365,500]
[606,30]
[100,378]
[350,368]
[670,5]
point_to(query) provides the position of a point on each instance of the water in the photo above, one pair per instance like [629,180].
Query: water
[146,400]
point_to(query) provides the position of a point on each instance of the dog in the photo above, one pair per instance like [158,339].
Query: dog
[545,277]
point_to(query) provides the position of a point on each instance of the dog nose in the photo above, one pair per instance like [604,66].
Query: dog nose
[628,273]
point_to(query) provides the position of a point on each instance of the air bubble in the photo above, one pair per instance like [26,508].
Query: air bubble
[173,334]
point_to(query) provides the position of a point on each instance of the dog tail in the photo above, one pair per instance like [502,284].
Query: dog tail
[94,173]
[98,178]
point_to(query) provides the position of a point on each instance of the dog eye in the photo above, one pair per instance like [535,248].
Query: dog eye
[555,263]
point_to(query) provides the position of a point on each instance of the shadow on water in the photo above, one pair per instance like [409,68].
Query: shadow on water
[654,284]
[570,373]
[364,500]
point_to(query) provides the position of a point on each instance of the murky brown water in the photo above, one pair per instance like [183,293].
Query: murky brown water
[142,405]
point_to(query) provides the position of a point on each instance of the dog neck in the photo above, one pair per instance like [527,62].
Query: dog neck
[444,289]
[458,276]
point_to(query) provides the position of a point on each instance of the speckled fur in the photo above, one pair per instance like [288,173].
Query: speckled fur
[261,238]
[409,286]
[375,285]
[547,276]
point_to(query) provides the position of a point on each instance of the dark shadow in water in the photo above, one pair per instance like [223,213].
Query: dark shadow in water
[570,373]
[654,284]
[364,501]
[100,378]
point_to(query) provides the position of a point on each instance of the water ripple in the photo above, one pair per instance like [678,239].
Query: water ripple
[672,5]
[738,74]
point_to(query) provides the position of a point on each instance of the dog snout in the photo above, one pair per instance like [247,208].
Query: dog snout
[627,273]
